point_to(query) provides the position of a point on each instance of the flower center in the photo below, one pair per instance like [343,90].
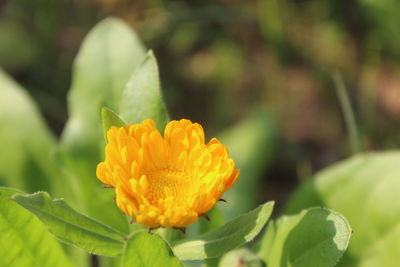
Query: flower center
[166,182]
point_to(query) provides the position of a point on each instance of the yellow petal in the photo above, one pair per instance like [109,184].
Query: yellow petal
[167,180]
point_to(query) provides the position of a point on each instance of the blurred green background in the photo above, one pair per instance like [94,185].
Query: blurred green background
[258,74]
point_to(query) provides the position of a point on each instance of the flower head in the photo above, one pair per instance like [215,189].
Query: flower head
[166,181]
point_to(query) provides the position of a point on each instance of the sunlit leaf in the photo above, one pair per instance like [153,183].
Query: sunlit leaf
[144,249]
[101,70]
[314,237]
[225,238]
[365,189]
[71,226]
[24,240]
[142,97]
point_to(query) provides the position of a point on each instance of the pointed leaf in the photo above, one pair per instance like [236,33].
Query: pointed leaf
[109,119]
[315,237]
[24,240]
[142,95]
[227,237]
[71,226]
[144,249]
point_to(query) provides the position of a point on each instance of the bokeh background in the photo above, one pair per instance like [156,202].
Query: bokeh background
[258,74]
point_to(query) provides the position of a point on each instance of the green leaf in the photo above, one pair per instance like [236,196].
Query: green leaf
[71,226]
[216,220]
[365,189]
[109,119]
[108,56]
[142,95]
[222,239]
[101,70]
[241,258]
[24,240]
[314,237]
[251,144]
[144,249]
[26,139]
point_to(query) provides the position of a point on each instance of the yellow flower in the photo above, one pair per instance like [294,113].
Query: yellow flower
[165,181]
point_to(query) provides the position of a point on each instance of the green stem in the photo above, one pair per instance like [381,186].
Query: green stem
[347,113]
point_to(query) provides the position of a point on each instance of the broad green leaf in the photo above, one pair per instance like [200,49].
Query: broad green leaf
[251,144]
[148,250]
[24,240]
[142,97]
[109,119]
[108,56]
[365,189]
[314,237]
[71,226]
[105,61]
[240,258]
[227,237]
[25,140]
